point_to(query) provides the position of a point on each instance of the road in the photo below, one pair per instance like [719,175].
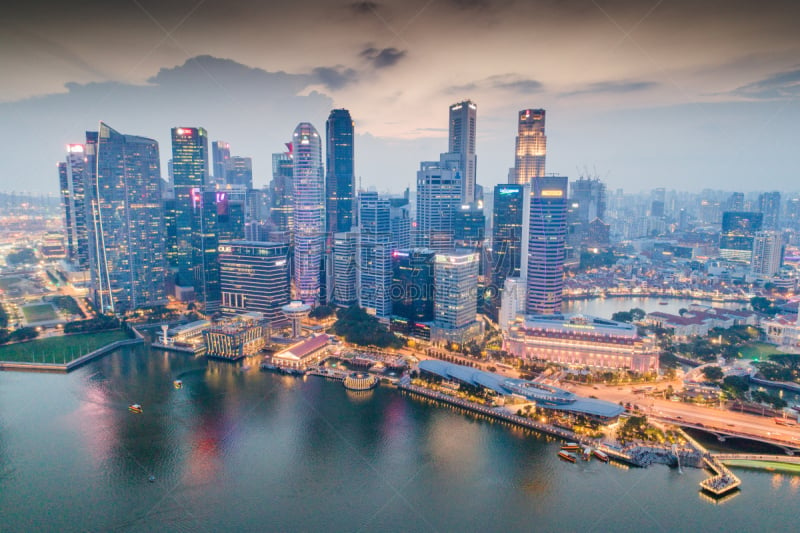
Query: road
[710,417]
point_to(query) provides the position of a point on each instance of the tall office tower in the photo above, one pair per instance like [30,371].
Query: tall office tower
[221,155]
[73,176]
[531,147]
[257,205]
[345,268]
[254,276]
[769,203]
[126,234]
[767,253]
[455,297]
[400,223]
[308,189]
[240,171]
[412,291]
[590,195]
[509,207]
[736,236]
[546,243]
[375,254]
[281,211]
[469,227]
[736,202]
[190,176]
[793,213]
[463,116]
[340,175]
[438,196]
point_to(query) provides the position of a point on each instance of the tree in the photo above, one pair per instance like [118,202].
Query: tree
[713,373]
[622,316]
[637,314]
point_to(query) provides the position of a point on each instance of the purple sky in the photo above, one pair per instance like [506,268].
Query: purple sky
[686,94]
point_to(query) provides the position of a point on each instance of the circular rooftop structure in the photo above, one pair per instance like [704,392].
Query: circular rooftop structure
[296,309]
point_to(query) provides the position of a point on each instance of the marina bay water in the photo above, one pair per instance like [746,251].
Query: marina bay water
[238,449]
[605,307]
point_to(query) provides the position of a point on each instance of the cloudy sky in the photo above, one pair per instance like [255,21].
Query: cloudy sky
[686,94]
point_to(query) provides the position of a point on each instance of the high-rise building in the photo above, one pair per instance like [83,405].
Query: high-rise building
[254,276]
[531,147]
[73,176]
[767,253]
[590,195]
[126,230]
[340,174]
[509,208]
[190,176]
[239,171]
[456,297]
[345,268]
[280,192]
[736,202]
[463,116]
[438,196]
[400,222]
[546,245]
[769,203]
[736,236]
[412,291]
[375,254]
[221,155]
[308,186]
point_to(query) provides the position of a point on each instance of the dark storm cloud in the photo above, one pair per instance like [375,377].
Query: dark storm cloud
[612,87]
[386,57]
[335,78]
[783,85]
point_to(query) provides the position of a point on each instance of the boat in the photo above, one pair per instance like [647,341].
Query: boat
[663,303]
[567,456]
[135,408]
[571,446]
[177,384]
[600,455]
[587,453]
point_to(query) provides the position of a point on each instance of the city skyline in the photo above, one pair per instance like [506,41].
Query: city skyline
[639,95]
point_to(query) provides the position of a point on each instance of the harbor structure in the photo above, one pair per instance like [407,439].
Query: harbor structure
[240,336]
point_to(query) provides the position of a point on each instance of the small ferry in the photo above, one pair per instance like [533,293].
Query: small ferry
[663,303]
[567,456]
[571,447]
[587,453]
[600,455]
[178,384]
[135,408]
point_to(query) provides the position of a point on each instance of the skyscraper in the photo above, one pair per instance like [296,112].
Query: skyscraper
[340,175]
[221,153]
[126,233]
[509,202]
[412,291]
[438,196]
[240,171]
[281,211]
[769,203]
[73,176]
[375,254]
[737,233]
[455,296]
[190,176]
[531,147]
[461,141]
[767,253]
[254,276]
[546,245]
[308,186]
[345,268]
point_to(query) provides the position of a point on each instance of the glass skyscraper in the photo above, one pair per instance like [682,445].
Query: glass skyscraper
[308,186]
[126,236]
[340,175]
[73,176]
[507,222]
[546,245]
[438,196]
[461,141]
[531,147]
[375,254]
[254,276]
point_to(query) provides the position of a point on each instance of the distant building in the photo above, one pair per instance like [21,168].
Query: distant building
[412,291]
[339,171]
[126,233]
[531,147]
[769,203]
[461,141]
[375,254]
[700,319]
[73,180]
[767,254]
[582,342]
[400,222]
[438,197]
[240,172]
[280,192]
[254,276]
[736,236]
[221,154]
[469,227]
[345,268]
[546,245]
[456,297]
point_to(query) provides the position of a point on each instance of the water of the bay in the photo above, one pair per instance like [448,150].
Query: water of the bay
[605,307]
[238,450]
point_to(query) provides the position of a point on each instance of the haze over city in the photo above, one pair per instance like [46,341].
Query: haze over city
[674,94]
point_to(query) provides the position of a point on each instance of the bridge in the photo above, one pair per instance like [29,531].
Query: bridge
[789,446]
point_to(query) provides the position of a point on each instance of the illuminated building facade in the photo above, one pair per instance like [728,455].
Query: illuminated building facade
[582,341]
[126,234]
[531,147]
[736,236]
[240,172]
[508,209]
[73,175]
[254,276]
[767,254]
[243,335]
[221,155]
[345,269]
[190,175]
[375,254]
[461,141]
[281,208]
[308,188]
[546,244]
[438,197]
[455,297]
[340,176]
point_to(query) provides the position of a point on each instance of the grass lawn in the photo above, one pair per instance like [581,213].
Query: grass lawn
[39,312]
[5,283]
[758,350]
[58,350]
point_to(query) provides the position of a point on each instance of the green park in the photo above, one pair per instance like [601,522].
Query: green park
[59,350]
